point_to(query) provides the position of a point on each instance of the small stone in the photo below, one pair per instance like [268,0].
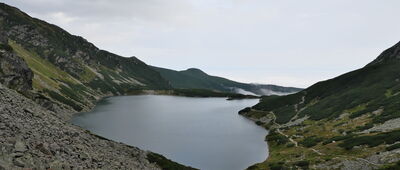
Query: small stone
[19,162]
[20,146]
[5,163]
[42,148]
[54,147]
[17,154]
[76,134]
[56,165]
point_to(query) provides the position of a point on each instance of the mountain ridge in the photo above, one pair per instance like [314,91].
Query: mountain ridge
[194,78]
[67,68]
[392,53]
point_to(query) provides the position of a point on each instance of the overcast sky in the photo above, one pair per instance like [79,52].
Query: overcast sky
[285,42]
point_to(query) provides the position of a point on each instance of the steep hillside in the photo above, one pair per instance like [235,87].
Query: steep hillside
[33,137]
[196,79]
[67,68]
[354,117]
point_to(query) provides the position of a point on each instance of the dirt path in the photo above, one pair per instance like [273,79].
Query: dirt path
[290,139]
[296,108]
[280,132]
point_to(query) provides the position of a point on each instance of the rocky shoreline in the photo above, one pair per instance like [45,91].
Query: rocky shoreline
[378,160]
[34,132]
[32,137]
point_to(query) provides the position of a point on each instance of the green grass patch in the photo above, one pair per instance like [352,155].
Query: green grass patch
[40,65]
[87,75]
[389,93]
[63,99]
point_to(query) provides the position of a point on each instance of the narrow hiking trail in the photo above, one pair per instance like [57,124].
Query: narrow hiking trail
[289,137]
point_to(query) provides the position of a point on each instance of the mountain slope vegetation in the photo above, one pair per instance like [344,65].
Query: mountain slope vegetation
[69,69]
[351,117]
[375,86]
[197,79]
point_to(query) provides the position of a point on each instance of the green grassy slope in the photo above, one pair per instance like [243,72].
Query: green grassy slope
[68,68]
[338,115]
[196,79]
[374,86]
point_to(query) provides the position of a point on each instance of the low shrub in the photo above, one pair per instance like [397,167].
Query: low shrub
[303,164]
[6,47]
[245,110]
[290,145]
[393,147]
[63,100]
[365,127]
[337,138]
[259,123]
[277,166]
[277,138]
[165,163]
[371,141]
[310,141]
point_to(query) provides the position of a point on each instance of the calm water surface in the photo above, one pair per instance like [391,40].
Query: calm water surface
[205,133]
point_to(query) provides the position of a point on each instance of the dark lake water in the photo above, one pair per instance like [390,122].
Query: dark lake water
[205,133]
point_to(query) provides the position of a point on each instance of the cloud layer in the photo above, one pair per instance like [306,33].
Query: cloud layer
[290,42]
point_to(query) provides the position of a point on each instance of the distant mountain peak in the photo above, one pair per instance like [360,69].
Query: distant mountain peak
[389,55]
[195,71]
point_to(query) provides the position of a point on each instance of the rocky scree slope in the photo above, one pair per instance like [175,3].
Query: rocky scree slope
[69,70]
[196,79]
[33,137]
[348,122]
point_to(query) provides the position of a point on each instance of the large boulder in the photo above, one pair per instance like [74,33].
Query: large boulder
[14,72]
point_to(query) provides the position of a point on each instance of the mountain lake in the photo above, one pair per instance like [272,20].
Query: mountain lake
[205,133]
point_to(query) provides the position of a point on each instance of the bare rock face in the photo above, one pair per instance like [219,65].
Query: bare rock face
[14,72]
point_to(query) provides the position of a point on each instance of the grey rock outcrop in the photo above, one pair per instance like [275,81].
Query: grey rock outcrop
[14,72]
